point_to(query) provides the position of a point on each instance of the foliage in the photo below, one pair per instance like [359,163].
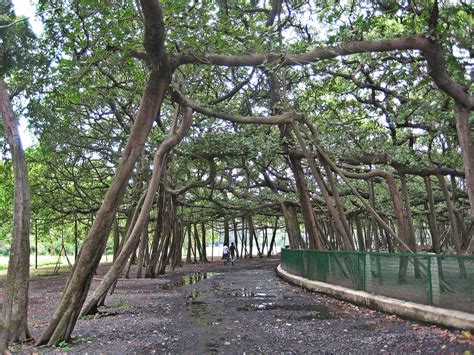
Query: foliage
[83,98]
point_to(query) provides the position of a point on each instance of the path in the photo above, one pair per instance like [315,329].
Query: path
[245,308]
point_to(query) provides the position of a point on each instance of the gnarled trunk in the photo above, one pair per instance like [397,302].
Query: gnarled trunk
[73,297]
[14,323]
[158,164]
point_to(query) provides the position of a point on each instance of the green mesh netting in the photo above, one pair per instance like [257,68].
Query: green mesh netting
[445,281]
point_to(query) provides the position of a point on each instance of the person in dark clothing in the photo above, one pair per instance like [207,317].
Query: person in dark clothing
[232,253]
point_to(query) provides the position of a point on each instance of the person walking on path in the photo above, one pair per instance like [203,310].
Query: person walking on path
[225,252]
[232,253]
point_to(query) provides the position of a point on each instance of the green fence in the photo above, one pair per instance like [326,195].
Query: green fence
[445,281]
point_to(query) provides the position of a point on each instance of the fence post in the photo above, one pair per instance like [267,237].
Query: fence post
[300,273]
[36,243]
[368,273]
[433,281]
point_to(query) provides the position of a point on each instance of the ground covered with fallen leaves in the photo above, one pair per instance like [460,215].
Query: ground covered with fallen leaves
[216,308]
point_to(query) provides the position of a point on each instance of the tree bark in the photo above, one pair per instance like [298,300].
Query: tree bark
[292,227]
[465,132]
[203,236]
[337,198]
[433,224]
[360,234]
[157,235]
[189,260]
[116,237]
[253,234]
[226,231]
[453,223]
[272,243]
[66,314]
[452,218]
[14,323]
[409,229]
[141,250]
[159,160]
[335,217]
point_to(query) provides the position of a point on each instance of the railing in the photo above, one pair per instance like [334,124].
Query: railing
[445,281]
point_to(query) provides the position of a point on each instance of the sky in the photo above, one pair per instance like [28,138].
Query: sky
[27,8]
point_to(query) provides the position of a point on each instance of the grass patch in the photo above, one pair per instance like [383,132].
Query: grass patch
[120,304]
[46,268]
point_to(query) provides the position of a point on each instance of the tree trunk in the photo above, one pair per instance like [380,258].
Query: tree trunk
[453,223]
[191,246]
[203,235]
[452,218]
[116,237]
[336,219]
[465,133]
[272,243]
[360,235]
[164,253]
[309,218]
[172,139]
[141,251]
[64,319]
[292,227]
[433,224]
[253,234]
[243,242]
[226,231]
[14,323]
[236,237]
[161,211]
[410,231]
[409,228]
[198,242]
[397,206]
[250,235]
[337,198]
[65,316]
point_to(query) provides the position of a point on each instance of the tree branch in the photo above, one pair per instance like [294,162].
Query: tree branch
[277,119]
[284,59]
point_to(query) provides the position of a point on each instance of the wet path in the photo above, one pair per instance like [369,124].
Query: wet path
[212,308]
[251,310]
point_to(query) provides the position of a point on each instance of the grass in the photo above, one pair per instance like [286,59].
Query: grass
[46,265]
[47,260]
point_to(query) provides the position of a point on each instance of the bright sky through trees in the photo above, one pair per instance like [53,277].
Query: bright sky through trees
[27,8]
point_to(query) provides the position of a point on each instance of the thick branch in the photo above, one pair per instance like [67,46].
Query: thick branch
[154,36]
[320,53]
[277,119]
[194,184]
[437,71]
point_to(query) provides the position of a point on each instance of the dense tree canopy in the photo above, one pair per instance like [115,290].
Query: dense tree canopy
[348,120]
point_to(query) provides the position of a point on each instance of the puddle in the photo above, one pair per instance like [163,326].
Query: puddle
[190,279]
[198,311]
[314,311]
[249,294]
[212,347]
[197,308]
[195,294]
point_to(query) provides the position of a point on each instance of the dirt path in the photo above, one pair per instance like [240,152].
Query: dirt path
[206,308]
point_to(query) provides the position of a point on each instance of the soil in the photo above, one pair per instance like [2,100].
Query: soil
[216,308]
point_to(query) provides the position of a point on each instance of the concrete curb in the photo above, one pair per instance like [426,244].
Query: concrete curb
[440,316]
